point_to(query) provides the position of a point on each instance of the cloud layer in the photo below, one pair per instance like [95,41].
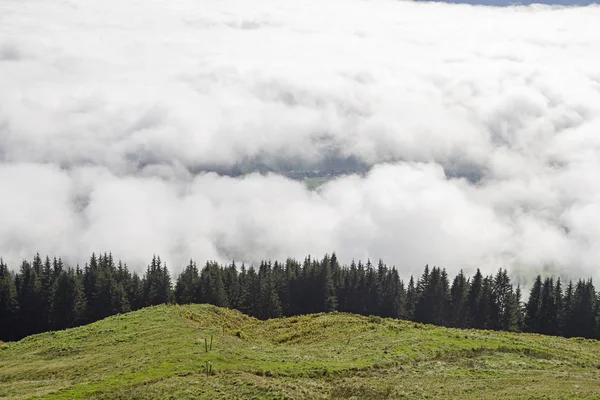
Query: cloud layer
[481,126]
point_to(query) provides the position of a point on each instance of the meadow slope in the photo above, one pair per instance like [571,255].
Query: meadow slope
[159,353]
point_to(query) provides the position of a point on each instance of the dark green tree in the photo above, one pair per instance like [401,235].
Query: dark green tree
[9,305]
[532,308]
[69,306]
[458,301]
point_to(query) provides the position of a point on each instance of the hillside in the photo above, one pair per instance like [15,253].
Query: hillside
[159,352]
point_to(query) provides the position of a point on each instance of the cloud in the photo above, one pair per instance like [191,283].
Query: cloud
[478,124]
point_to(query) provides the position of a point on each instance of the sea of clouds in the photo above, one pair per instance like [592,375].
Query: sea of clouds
[481,126]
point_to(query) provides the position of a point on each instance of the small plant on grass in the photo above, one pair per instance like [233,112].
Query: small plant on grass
[207,346]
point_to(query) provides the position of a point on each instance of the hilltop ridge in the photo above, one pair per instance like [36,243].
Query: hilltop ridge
[159,352]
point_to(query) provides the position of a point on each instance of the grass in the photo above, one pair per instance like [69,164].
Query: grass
[159,353]
[316,182]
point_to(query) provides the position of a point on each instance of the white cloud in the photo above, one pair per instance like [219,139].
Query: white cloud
[108,109]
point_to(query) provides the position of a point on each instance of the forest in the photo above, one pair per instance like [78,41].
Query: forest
[44,294]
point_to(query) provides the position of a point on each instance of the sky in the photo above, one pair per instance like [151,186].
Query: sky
[480,125]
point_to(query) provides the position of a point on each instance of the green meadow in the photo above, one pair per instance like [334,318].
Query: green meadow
[163,353]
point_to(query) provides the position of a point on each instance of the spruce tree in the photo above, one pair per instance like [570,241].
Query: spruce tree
[411,299]
[484,307]
[269,304]
[232,286]
[250,287]
[558,307]
[135,292]
[548,313]
[212,286]
[47,292]
[68,309]
[458,301]
[9,306]
[473,299]
[326,287]
[532,309]
[186,285]
[584,310]
[567,319]
[504,305]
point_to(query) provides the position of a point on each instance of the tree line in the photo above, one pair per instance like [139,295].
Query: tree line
[45,295]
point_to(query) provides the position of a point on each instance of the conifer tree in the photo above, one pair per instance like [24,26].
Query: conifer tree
[567,320]
[484,306]
[269,304]
[504,306]
[558,307]
[548,311]
[325,286]
[69,306]
[135,292]
[232,286]
[47,292]
[250,286]
[9,306]
[473,298]
[187,284]
[519,309]
[90,283]
[156,283]
[29,297]
[411,299]
[458,301]
[584,309]
[532,309]
[212,286]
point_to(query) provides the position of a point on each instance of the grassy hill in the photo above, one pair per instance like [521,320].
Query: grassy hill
[159,352]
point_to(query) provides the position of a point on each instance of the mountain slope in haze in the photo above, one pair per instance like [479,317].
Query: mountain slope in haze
[159,352]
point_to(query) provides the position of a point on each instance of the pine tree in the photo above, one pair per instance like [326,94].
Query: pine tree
[458,301]
[250,287]
[47,292]
[212,286]
[393,295]
[558,307]
[284,275]
[519,309]
[326,288]
[532,309]
[484,306]
[232,286]
[30,299]
[156,284]
[68,309]
[57,267]
[423,303]
[548,313]
[135,292]
[9,306]
[567,320]
[411,299]
[269,304]
[353,289]
[473,299]
[504,304]
[90,281]
[187,284]
[584,310]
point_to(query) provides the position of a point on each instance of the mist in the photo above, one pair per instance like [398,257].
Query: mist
[136,127]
